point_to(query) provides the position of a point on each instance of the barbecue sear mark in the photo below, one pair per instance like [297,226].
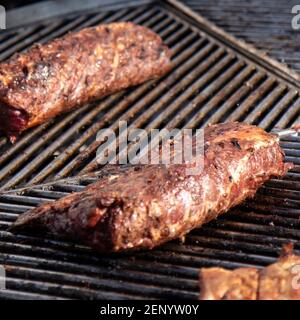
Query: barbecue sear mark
[235,142]
[25,71]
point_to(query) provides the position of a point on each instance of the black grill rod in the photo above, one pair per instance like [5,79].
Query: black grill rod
[22,46]
[68,181]
[273,116]
[248,52]
[229,105]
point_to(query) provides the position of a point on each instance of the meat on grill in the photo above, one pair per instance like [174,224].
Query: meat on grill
[80,67]
[279,281]
[146,206]
[222,284]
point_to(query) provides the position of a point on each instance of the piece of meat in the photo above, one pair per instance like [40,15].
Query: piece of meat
[147,206]
[78,68]
[279,281]
[222,284]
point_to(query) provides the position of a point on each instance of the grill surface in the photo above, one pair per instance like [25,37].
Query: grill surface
[266,24]
[252,235]
[214,80]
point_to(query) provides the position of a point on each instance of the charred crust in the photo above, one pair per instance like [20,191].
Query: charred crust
[145,208]
[235,143]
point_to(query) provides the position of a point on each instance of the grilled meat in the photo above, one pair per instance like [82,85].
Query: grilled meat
[222,284]
[147,206]
[75,69]
[279,281]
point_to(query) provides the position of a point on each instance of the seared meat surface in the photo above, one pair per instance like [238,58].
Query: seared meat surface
[279,281]
[222,284]
[80,67]
[147,206]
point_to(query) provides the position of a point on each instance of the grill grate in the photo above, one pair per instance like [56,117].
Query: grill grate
[251,235]
[265,24]
[212,81]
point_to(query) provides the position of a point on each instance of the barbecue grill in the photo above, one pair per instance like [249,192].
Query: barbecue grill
[265,24]
[215,79]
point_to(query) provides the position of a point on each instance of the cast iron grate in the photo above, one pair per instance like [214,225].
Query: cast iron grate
[265,24]
[213,80]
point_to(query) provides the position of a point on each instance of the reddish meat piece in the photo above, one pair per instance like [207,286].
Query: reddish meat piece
[78,68]
[147,207]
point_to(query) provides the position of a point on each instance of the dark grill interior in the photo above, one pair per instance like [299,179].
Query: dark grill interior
[265,24]
[212,81]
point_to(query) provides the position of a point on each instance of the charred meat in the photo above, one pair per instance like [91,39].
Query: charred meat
[147,207]
[78,68]
[222,284]
[279,281]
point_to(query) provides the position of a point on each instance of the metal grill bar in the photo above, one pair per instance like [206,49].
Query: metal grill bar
[266,25]
[282,106]
[213,89]
[266,105]
[225,94]
[253,99]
